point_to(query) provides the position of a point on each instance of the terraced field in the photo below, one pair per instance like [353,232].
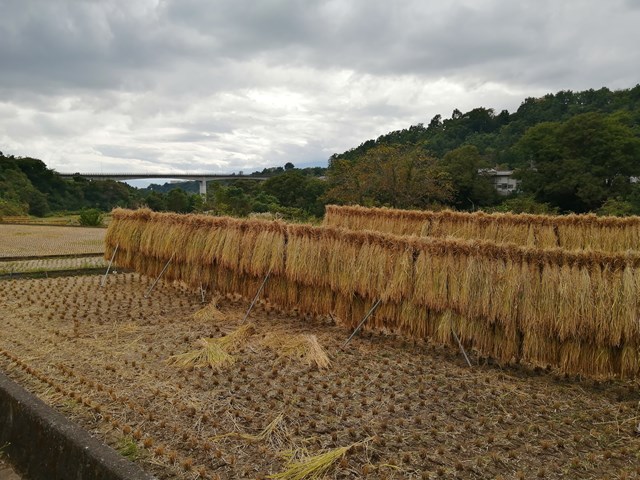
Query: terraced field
[38,240]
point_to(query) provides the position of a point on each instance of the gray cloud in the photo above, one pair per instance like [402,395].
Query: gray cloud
[232,85]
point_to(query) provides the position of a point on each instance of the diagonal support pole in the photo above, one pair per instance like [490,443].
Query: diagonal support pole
[113,256]
[461,347]
[156,280]
[373,309]
[264,282]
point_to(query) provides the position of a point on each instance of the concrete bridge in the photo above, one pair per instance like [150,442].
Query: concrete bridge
[203,178]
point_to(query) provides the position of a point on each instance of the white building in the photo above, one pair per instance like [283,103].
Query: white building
[503,180]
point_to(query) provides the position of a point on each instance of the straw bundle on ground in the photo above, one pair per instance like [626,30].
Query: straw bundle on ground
[505,301]
[573,232]
[274,433]
[210,313]
[214,352]
[209,353]
[313,467]
[302,347]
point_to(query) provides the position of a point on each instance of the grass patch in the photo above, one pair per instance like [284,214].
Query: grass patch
[128,448]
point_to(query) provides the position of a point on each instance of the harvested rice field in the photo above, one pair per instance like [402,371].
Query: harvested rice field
[51,264]
[39,240]
[128,368]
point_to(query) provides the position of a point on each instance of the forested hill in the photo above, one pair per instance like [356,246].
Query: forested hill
[27,186]
[496,133]
[573,151]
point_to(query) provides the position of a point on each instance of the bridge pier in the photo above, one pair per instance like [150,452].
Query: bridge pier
[203,187]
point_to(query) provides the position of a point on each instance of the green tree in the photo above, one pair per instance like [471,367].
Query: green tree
[471,187]
[196,203]
[389,175]
[578,164]
[232,200]
[156,201]
[524,204]
[293,189]
[91,217]
[38,204]
[177,201]
[617,207]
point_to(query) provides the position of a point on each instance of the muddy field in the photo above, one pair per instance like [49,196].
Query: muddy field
[100,355]
[38,240]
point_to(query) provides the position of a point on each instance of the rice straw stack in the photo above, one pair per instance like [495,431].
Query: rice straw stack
[571,232]
[575,310]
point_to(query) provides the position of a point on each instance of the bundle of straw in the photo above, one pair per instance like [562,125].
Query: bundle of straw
[302,347]
[210,313]
[274,433]
[214,352]
[209,354]
[313,467]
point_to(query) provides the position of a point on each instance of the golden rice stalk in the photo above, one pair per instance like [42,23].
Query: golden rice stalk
[210,354]
[629,361]
[276,290]
[304,258]
[304,347]
[230,252]
[342,309]
[275,434]
[268,254]
[630,326]
[343,271]
[214,352]
[210,312]
[271,431]
[313,467]
[237,338]
[585,358]
[400,284]
[448,322]
[540,350]
[546,236]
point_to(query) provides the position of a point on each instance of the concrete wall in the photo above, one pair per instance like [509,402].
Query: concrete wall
[43,444]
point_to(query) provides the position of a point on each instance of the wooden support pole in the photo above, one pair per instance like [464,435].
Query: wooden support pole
[156,280]
[375,305]
[113,256]
[264,282]
[461,347]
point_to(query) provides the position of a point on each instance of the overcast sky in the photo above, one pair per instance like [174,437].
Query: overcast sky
[228,85]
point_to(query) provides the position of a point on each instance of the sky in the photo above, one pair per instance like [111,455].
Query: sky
[221,86]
